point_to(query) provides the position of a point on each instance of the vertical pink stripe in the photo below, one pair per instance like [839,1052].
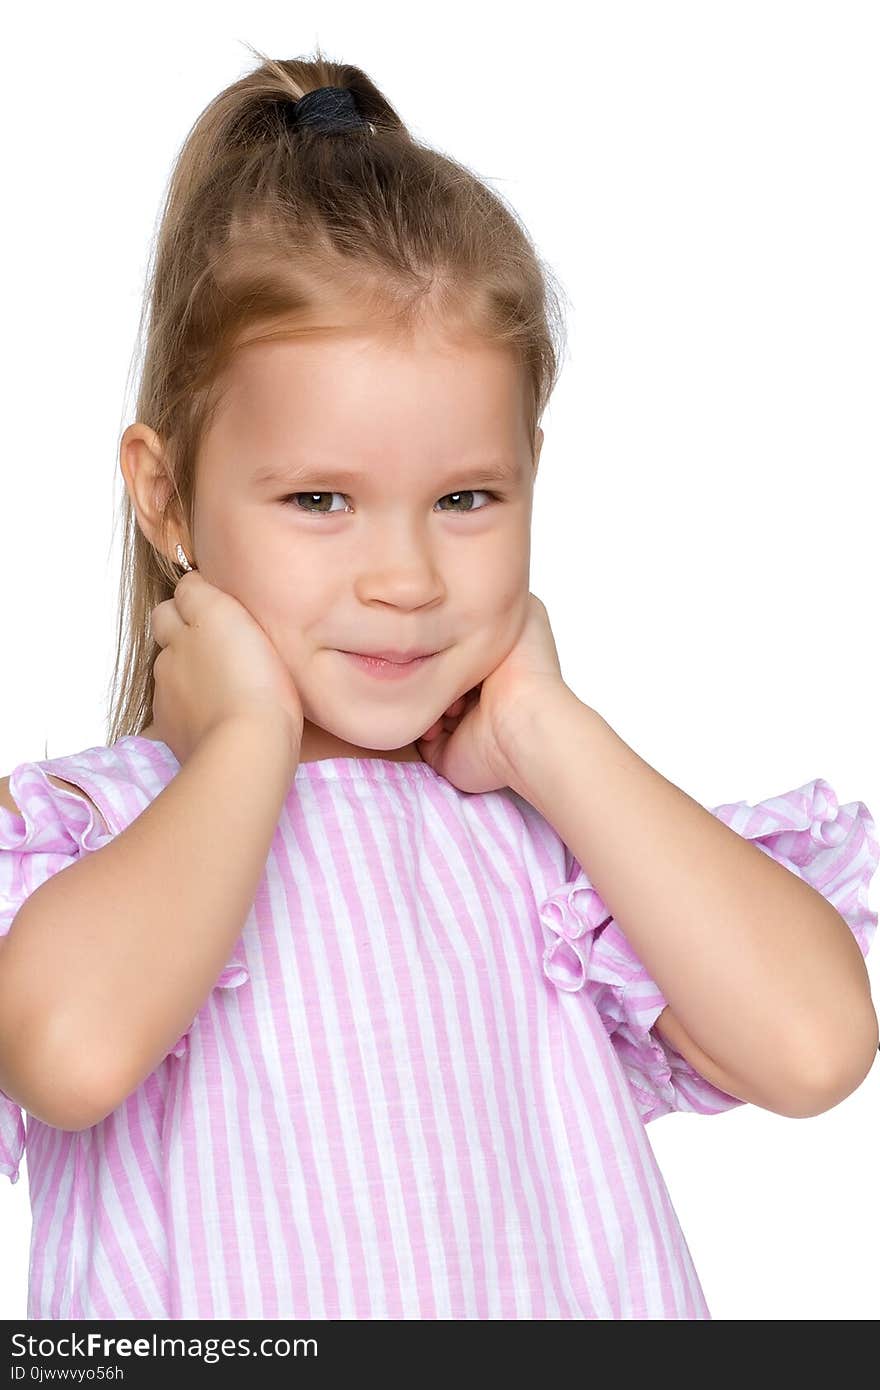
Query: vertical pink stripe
[219,1187]
[239,1034]
[198,1196]
[296,848]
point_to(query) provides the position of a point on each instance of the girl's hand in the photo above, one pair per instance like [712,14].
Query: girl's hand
[467,744]
[216,661]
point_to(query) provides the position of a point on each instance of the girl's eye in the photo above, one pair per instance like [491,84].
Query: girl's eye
[469,492]
[293,499]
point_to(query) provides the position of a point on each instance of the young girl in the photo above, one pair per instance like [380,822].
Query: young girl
[353,1000]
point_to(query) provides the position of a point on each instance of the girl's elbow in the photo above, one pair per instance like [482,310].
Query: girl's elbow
[835,1078]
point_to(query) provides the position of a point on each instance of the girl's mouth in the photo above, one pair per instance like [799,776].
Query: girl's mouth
[388,670]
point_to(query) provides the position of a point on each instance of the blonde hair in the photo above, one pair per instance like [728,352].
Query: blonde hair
[266,231]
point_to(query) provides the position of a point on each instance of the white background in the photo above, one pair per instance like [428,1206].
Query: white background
[702,178]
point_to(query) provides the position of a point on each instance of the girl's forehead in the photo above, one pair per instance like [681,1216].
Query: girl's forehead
[365,377]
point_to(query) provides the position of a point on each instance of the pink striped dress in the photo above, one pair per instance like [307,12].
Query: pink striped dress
[420,1086]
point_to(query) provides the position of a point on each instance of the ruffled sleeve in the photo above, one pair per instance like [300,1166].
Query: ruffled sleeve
[55,827]
[834,848]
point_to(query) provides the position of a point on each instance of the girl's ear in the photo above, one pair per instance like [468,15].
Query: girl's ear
[147,482]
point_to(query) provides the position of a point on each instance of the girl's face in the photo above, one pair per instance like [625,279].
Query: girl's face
[345,495]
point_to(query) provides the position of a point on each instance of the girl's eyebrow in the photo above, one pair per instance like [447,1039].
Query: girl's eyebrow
[492,471]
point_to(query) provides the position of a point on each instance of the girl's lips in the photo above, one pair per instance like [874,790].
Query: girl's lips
[388,670]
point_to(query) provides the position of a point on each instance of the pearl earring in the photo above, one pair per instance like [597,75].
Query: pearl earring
[181,558]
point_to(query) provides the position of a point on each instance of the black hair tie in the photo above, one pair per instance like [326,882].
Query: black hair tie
[330,109]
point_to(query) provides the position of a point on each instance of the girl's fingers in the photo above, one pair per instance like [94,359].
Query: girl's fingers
[449,714]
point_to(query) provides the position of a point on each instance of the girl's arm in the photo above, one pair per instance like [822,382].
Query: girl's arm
[758,967]
[108,962]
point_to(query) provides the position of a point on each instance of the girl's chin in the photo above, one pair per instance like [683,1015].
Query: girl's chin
[319,743]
